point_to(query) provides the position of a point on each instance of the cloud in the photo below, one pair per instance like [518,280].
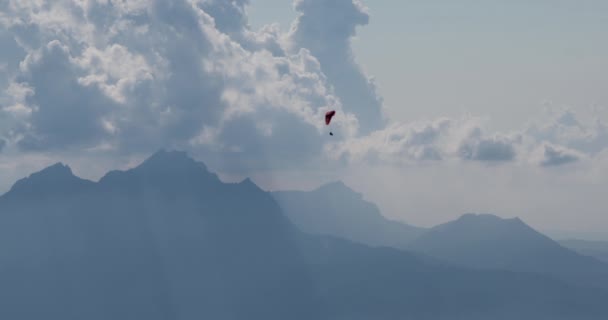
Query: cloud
[132,77]
[565,128]
[488,149]
[63,112]
[10,55]
[442,139]
[396,144]
[552,156]
[326,29]
[229,16]
[114,70]
[557,140]
[494,149]
[136,76]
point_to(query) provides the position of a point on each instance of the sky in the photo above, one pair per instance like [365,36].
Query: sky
[443,107]
[508,60]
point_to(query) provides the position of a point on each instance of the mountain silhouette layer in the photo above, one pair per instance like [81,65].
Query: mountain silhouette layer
[165,240]
[487,241]
[596,249]
[168,240]
[335,209]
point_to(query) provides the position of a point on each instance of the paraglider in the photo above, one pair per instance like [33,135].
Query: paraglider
[328,116]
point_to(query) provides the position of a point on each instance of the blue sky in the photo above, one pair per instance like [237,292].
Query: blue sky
[507,60]
[443,107]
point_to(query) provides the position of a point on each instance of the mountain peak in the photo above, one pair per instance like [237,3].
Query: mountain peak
[171,162]
[490,242]
[164,157]
[489,224]
[57,168]
[486,218]
[53,172]
[55,177]
[336,186]
[164,166]
[248,182]
[169,154]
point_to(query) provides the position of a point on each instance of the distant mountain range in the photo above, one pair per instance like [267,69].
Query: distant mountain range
[487,241]
[596,249]
[476,241]
[335,209]
[169,240]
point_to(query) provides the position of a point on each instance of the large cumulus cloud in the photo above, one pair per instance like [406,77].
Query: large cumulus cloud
[140,75]
[129,77]
[62,111]
[326,28]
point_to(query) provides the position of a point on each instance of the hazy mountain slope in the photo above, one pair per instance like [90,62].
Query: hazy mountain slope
[383,283]
[336,210]
[596,249]
[168,240]
[487,241]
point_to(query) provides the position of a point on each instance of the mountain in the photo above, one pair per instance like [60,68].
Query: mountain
[335,209]
[367,283]
[596,249]
[165,240]
[55,180]
[489,242]
[169,240]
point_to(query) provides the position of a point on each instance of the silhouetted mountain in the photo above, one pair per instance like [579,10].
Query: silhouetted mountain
[169,240]
[336,210]
[487,241]
[55,180]
[165,240]
[596,249]
[367,283]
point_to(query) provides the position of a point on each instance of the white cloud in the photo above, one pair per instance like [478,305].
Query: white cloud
[137,76]
[442,139]
[326,29]
[559,140]
[497,148]
[551,155]
[115,70]
[566,129]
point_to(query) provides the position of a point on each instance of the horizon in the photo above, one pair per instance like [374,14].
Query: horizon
[557,235]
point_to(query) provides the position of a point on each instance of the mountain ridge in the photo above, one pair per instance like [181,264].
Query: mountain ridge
[488,241]
[596,249]
[156,245]
[166,235]
[335,209]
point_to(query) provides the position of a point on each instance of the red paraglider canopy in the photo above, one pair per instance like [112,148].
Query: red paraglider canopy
[329,115]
